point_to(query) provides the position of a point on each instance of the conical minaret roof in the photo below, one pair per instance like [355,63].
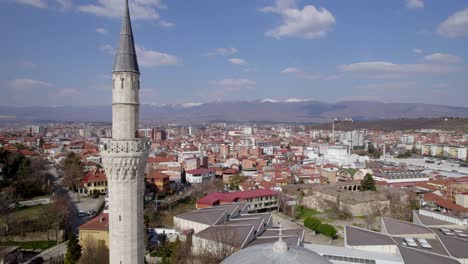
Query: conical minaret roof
[125,56]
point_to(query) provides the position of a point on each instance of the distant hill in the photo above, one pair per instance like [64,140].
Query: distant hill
[400,124]
[299,111]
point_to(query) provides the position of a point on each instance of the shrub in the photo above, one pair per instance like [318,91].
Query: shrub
[312,223]
[327,230]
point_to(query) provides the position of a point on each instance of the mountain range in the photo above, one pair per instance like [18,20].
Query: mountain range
[266,110]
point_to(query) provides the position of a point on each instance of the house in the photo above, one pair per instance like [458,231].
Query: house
[329,172]
[96,229]
[200,176]
[259,200]
[160,180]
[95,181]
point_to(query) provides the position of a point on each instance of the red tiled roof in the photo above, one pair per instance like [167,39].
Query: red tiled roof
[215,197]
[95,176]
[99,223]
[26,152]
[431,197]
[158,159]
[451,206]
[157,175]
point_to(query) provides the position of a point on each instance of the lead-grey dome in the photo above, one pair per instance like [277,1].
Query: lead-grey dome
[266,254]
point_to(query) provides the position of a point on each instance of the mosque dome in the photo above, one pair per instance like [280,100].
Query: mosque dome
[277,253]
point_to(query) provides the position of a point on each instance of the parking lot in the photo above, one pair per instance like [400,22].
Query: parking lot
[86,203]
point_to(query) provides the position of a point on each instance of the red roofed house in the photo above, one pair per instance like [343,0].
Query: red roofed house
[160,180]
[259,200]
[95,181]
[96,229]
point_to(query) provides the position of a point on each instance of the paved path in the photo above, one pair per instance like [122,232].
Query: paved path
[57,251]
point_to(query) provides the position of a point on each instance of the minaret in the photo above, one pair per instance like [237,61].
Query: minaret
[124,156]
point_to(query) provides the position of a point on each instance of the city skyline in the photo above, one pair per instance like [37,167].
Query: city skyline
[58,52]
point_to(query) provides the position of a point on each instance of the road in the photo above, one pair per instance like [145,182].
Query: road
[59,250]
[75,220]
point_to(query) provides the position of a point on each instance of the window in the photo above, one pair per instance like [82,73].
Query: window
[121,82]
[120,218]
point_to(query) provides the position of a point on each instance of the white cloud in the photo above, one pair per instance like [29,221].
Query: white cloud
[290,70]
[455,25]
[414,3]
[237,61]
[107,48]
[442,58]
[27,84]
[146,57]
[235,84]
[166,24]
[222,52]
[388,69]
[102,31]
[303,75]
[54,4]
[140,9]
[153,58]
[34,3]
[418,51]
[309,22]
[65,4]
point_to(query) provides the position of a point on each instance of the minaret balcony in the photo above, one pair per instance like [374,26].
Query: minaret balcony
[132,146]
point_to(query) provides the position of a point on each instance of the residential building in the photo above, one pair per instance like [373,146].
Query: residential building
[160,180]
[259,200]
[95,181]
[96,229]
[200,175]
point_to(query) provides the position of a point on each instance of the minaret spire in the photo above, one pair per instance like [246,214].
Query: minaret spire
[125,56]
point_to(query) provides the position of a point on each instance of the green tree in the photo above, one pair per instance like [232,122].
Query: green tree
[73,251]
[327,230]
[368,183]
[312,223]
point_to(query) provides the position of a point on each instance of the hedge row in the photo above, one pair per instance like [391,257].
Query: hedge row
[316,225]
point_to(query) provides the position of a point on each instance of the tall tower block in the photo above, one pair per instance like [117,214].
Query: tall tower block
[124,156]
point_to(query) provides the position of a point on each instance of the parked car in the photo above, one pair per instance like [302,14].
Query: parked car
[81,214]
[91,212]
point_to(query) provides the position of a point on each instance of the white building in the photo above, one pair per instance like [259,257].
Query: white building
[200,175]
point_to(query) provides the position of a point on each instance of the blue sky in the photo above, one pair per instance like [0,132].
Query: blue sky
[59,52]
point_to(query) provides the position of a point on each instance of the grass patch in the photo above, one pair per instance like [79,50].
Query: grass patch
[31,212]
[304,212]
[31,244]
[360,217]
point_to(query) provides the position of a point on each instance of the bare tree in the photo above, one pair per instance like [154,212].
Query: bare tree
[375,211]
[340,211]
[56,217]
[402,204]
[73,172]
[8,202]
[283,206]
[94,252]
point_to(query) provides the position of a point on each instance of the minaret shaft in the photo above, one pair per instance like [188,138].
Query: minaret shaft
[124,156]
